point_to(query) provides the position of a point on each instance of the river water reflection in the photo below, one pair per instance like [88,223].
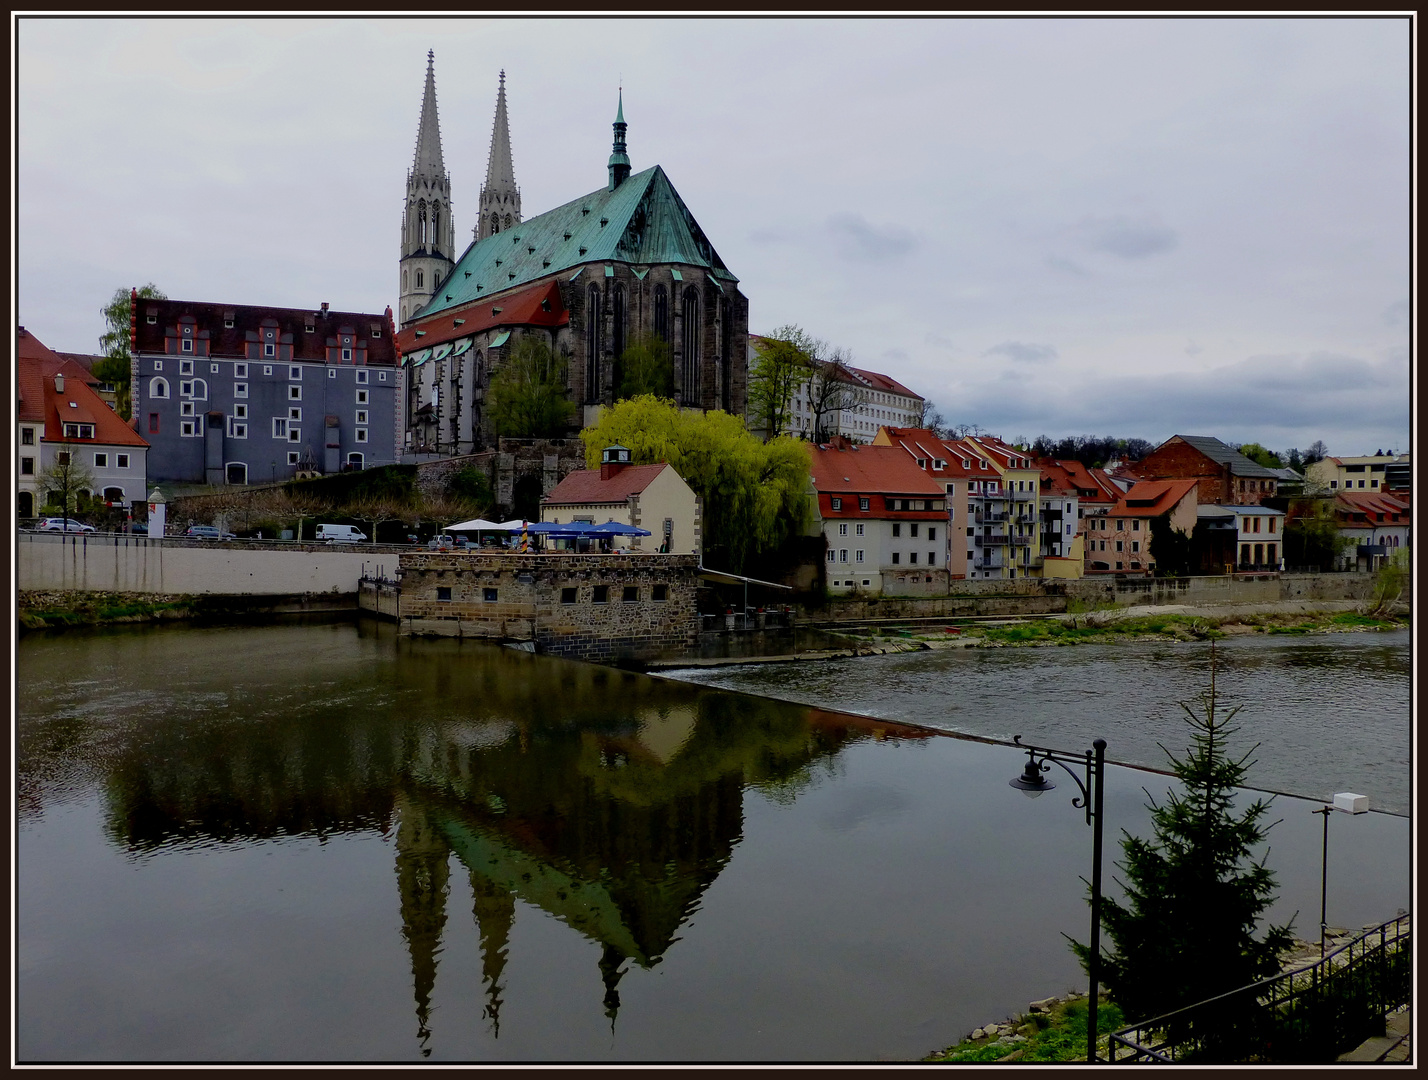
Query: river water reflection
[326,843]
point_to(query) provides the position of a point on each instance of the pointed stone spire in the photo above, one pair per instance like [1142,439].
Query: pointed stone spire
[500,198]
[428,159]
[427,235]
[619,162]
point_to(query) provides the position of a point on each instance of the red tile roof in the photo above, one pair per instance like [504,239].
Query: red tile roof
[1371,502]
[535,305]
[40,402]
[223,340]
[584,486]
[1151,498]
[1093,485]
[927,445]
[872,470]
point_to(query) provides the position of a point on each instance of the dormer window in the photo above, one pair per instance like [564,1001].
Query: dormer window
[228,320]
[79,431]
[837,503]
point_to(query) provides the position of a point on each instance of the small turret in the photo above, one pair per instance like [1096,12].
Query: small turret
[619,161]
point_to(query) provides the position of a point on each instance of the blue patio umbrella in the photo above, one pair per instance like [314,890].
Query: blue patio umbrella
[615,528]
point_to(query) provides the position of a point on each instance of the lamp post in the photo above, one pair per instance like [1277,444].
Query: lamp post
[1349,803]
[1033,782]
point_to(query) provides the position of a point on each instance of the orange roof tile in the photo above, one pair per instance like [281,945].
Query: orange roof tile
[585,486]
[536,305]
[1151,498]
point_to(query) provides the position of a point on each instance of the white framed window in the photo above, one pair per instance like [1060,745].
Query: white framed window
[361,434]
[187,343]
[121,461]
[295,372]
[240,371]
[101,461]
[240,389]
[267,369]
[842,530]
[294,435]
[843,555]
[200,389]
[237,429]
[240,412]
[153,319]
[158,365]
[185,367]
[347,355]
[292,457]
[837,503]
[186,388]
[294,414]
[381,376]
[280,427]
[860,529]
[858,555]
[269,349]
[213,369]
[832,555]
[332,373]
[185,408]
[361,416]
[361,397]
[186,428]
[361,378]
[294,393]
[158,388]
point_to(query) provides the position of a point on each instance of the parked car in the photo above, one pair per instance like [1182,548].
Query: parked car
[441,542]
[208,532]
[340,534]
[63,525]
[139,527]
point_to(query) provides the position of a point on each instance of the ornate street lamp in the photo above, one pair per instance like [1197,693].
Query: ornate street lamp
[1349,803]
[1033,782]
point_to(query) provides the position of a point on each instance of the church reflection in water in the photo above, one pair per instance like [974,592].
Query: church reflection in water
[613,815]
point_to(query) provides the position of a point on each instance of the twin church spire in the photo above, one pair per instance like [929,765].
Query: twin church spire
[428,252]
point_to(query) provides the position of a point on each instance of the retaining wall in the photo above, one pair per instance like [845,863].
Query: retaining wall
[1034,596]
[102,562]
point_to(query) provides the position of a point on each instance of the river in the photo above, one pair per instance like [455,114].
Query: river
[326,843]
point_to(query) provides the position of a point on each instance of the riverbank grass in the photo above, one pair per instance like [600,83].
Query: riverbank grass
[1054,1035]
[40,611]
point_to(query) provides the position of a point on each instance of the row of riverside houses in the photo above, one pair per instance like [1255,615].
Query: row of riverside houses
[914,511]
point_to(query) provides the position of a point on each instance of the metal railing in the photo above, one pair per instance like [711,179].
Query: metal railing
[1306,1015]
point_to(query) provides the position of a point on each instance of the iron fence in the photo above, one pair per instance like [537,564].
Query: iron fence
[1310,1014]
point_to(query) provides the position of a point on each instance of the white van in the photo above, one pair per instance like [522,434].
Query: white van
[340,534]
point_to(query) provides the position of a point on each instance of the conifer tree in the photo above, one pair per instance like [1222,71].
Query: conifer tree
[1194,893]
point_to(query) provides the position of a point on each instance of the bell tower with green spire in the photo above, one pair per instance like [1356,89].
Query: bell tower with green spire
[619,160]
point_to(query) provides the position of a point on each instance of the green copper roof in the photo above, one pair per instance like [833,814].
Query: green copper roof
[641,222]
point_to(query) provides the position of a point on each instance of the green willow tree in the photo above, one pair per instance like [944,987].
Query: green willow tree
[1195,894]
[114,343]
[646,367]
[755,495]
[528,397]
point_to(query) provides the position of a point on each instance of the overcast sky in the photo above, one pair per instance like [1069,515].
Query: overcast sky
[1137,228]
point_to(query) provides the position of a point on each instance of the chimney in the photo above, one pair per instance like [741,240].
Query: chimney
[612,460]
[324,309]
[59,382]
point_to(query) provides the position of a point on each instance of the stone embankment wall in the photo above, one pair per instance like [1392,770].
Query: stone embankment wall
[1032,596]
[592,607]
[100,562]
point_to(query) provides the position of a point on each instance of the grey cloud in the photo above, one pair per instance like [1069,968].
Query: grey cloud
[1067,266]
[895,354]
[1397,314]
[1130,238]
[1023,352]
[859,239]
[938,341]
[1347,401]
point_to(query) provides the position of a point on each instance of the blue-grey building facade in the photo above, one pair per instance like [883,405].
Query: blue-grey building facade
[229,394]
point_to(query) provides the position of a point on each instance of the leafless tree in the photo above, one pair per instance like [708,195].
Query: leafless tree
[832,388]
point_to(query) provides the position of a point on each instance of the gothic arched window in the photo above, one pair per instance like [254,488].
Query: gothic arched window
[617,331]
[661,312]
[435,226]
[690,341]
[421,224]
[495,224]
[420,277]
[404,289]
[592,344]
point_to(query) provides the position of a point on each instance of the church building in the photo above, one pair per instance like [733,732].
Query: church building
[622,263]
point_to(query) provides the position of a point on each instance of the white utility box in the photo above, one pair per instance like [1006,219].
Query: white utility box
[1354,804]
